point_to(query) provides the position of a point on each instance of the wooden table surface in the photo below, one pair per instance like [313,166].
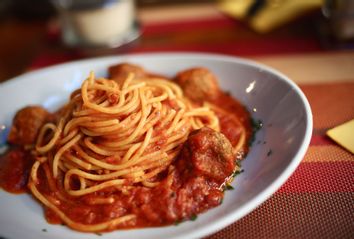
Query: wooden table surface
[311,68]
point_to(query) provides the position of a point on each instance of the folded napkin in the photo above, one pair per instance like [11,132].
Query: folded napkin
[344,135]
[266,15]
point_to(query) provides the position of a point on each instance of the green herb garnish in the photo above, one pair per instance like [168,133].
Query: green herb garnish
[176,223]
[193,217]
[256,126]
[237,172]
[269,153]
[229,187]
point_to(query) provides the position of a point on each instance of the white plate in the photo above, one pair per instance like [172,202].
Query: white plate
[269,95]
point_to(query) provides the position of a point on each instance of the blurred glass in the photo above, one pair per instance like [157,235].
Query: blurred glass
[341,18]
[97,23]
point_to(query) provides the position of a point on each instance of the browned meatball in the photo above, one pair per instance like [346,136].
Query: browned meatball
[198,84]
[121,71]
[210,154]
[26,125]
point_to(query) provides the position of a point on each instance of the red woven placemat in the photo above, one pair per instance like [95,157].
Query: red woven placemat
[318,199]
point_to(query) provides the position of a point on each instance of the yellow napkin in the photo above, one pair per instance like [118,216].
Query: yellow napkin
[272,13]
[344,135]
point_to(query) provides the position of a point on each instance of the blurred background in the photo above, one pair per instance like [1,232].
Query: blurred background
[37,33]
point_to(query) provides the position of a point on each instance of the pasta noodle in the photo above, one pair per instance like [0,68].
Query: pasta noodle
[131,150]
[114,136]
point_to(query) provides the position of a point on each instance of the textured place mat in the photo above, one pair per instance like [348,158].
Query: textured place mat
[318,199]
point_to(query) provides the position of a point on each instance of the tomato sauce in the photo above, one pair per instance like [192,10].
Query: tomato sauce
[180,196]
[161,205]
[15,167]
[235,113]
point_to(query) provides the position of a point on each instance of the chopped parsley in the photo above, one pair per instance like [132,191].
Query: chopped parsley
[238,163]
[193,217]
[256,126]
[176,223]
[237,172]
[269,153]
[229,187]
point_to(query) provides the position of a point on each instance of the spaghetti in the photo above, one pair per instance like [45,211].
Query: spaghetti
[114,136]
[133,150]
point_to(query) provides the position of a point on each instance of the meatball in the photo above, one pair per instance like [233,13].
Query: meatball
[209,153]
[26,125]
[198,84]
[121,71]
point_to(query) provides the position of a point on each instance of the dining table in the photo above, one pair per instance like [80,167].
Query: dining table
[317,201]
